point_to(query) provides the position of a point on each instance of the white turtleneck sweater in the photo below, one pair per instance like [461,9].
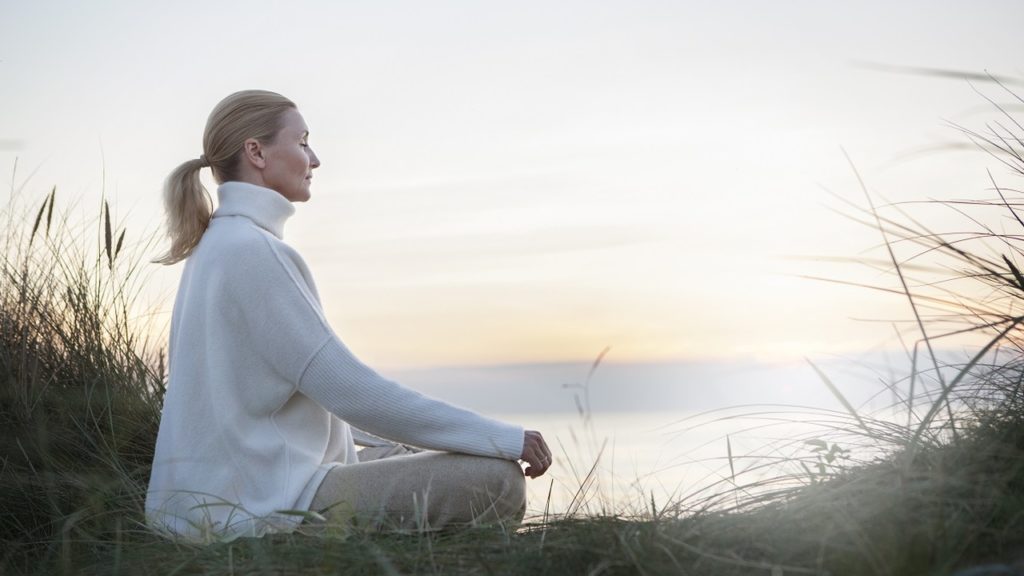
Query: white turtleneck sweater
[261,391]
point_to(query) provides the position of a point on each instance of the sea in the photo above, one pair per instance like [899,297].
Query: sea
[633,439]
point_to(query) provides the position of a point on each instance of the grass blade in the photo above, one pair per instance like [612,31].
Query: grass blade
[35,227]
[49,212]
[732,468]
[839,396]
[903,284]
[106,234]
[120,241]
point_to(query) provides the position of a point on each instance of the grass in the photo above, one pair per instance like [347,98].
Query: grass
[934,484]
[80,398]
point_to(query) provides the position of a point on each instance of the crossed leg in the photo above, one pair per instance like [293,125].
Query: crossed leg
[393,489]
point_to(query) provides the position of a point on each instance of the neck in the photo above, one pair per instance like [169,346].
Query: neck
[267,208]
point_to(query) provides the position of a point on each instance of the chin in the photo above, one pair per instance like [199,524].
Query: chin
[301,195]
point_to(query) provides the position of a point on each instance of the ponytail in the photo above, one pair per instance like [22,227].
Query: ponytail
[189,207]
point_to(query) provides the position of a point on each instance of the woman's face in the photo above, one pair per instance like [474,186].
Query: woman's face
[289,160]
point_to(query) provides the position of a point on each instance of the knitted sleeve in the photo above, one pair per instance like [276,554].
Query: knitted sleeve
[337,380]
[284,327]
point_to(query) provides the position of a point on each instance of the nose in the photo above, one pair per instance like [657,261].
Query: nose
[314,161]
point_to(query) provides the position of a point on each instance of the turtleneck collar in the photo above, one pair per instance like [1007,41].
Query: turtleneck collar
[266,207]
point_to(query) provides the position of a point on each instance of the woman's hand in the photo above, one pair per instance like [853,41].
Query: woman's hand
[535,453]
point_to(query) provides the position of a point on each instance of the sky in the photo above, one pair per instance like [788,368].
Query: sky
[532,182]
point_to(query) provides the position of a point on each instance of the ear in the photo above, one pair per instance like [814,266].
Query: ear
[252,152]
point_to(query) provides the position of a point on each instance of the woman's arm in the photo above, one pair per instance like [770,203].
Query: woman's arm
[339,382]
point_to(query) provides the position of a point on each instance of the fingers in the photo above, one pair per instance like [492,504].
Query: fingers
[536,454]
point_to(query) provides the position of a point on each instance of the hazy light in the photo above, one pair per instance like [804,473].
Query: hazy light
[533,182]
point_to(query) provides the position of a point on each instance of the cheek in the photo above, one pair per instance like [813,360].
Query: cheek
[300,162]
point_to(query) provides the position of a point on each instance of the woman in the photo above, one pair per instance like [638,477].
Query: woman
[264,403]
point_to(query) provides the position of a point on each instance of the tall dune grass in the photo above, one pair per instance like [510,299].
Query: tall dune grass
[80,394]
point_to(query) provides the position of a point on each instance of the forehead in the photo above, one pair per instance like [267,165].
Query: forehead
[292,122]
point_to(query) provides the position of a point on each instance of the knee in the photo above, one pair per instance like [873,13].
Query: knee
[503,483]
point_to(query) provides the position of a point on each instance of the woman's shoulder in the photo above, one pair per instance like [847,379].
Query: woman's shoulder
[236,244]
[229,242]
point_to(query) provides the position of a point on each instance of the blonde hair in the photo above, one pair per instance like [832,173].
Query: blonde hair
[242,115]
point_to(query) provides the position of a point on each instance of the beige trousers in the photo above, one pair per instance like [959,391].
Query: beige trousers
[394,488]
